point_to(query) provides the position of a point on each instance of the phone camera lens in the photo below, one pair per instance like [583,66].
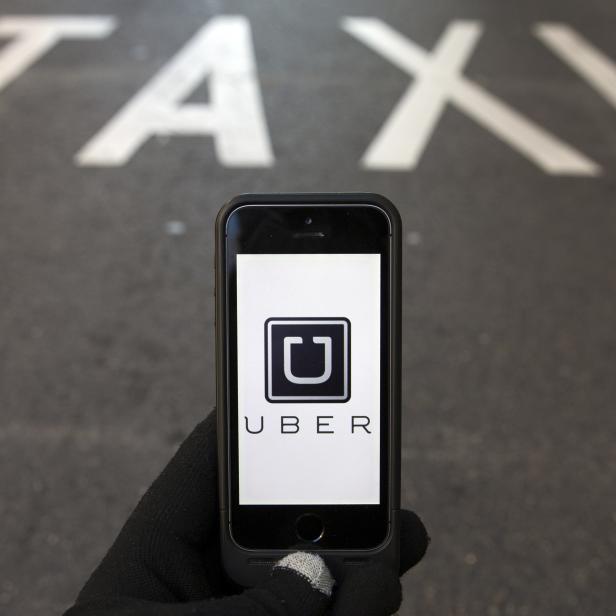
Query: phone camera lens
[308,220]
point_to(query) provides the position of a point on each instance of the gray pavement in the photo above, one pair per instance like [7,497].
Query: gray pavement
[106,312]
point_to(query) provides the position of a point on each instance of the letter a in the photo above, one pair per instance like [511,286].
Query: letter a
[222,52]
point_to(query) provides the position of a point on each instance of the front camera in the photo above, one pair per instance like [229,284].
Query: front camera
[308,220]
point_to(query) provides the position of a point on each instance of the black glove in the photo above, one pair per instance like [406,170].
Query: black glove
[166,559]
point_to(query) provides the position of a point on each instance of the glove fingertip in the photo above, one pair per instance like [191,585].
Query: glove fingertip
[301,583]
[311,567]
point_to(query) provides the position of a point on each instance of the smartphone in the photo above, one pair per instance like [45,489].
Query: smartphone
[308,380]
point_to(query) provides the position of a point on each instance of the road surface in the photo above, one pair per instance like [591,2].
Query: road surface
[492,126]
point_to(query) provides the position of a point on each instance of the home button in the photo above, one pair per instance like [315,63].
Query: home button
[309,527]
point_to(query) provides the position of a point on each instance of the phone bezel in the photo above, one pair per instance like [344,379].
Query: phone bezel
[273,526]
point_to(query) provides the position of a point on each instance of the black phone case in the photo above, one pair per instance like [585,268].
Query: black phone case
[249,567]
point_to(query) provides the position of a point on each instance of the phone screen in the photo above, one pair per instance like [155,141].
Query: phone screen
[308,372]
[308,378]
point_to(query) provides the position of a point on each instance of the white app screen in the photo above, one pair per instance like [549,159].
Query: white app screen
[308,349]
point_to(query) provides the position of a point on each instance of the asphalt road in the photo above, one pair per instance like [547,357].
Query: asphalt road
[106,311]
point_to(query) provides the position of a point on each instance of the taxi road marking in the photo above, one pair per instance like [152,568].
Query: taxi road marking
[402,138]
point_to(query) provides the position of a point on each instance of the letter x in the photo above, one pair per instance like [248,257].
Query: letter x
[438,80]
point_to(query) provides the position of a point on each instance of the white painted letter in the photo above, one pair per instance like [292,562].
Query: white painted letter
[222,52]
[438,80]
[592,65]
[35,36]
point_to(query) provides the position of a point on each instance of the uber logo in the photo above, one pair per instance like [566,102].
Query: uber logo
[308,359]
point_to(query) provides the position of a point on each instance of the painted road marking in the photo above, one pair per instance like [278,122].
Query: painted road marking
[222,52]
[35,36]
[404,136]
[175,227]
[590,63]
[400,142]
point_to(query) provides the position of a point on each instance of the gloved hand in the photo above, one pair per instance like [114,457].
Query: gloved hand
[166,559]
